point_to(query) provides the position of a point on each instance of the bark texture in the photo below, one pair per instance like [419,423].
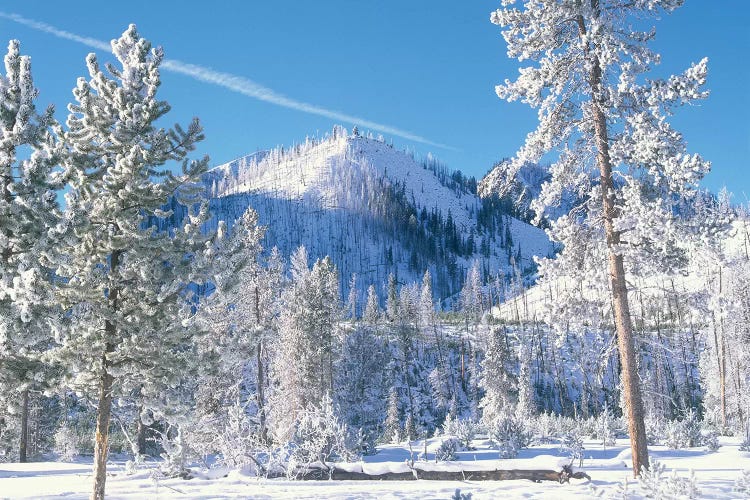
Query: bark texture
[104,408]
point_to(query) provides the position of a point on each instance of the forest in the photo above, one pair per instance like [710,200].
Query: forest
[147,315]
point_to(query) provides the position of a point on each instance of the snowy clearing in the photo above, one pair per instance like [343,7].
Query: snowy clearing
[715,474]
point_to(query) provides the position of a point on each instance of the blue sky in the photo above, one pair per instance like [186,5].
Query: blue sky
[424,67]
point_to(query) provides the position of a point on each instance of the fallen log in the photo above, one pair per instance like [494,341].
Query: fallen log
[337,474]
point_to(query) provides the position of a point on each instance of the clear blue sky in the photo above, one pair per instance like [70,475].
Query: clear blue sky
[426,67]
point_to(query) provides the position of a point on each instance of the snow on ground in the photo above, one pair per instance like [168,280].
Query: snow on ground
[715,473]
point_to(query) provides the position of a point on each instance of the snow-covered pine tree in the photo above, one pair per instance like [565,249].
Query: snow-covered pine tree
[497,377]
[391,305]
[362,379]
[126,282]
[308,342]
[606,122]
[239,318]
[372,308]
[28,214]
[392,425]
[443,379]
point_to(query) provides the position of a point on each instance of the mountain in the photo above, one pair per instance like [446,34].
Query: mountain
[375,210]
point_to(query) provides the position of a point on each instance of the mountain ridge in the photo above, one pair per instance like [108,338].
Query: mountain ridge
[375,210]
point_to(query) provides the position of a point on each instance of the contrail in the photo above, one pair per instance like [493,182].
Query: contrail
[238,84]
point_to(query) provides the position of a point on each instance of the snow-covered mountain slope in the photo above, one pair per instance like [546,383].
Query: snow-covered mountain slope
[375,210]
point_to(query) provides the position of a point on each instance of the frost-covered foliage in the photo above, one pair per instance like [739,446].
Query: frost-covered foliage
[320,436]
[447,451]
[498,379]
[655,483]
[66,443]
[30,150]
[606,427]
[308,343]
[685,433]
[572,445]
[362,380]
[463,429]
[509,436]
[615,154]
[174,452]
[745,445]
[742,484]
[392,431]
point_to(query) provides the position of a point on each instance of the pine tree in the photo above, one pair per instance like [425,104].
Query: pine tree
[391,306]
[28,215]
[309,340]
[392,424]
[497,378]
[594,111]
[239,318]
[126,282]
[372,309]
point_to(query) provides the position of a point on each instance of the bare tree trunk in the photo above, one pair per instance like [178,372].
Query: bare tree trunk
[104,407]
[723,357]
[140,433]
[260,394]
[23,446]
[623,324]
[261,382]
[101,446]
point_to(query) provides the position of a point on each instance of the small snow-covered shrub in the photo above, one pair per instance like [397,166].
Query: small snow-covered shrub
[561,426]
[365,442]
[742,484]
[236,440]
[709,436]
[655,483]
[606,426]
[589,427]
[132,466]
[655,429]
[465,431]
[543,428]
[685,433]
[710,439]
[461,496]
[572,445]
[320,436]
[449,426]
[66,443]
[509,436]
[447,450]
[173,457]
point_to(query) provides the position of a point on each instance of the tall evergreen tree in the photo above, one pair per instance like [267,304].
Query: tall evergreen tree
[126,282]
[308,342]
[28,215]
[606,122]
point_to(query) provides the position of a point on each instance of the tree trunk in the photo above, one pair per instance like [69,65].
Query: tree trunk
[623,325]
[259,357]
[723,364]
[23,445]
[261,397]
[104,407]
[101,446]
[140,433]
